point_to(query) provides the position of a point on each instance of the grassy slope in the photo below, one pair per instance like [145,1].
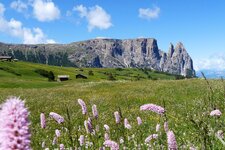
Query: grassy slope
[179,97]
[30,79]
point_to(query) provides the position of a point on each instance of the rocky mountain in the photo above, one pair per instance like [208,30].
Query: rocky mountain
[141,52]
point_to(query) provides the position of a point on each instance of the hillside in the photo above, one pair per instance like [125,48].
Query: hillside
[22,74]
[188,104]
[106,53]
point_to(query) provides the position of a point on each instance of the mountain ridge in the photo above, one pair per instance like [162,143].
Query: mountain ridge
[107,53]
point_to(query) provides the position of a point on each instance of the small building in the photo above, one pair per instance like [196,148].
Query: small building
[80,76]
[6,58]
[63,77]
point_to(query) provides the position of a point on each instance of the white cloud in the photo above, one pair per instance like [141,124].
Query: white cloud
[2,9]
[45,10]
[101,37]
[50,41]
[16,29]
[19,6]
[214,62]
[147,13]
[96,17]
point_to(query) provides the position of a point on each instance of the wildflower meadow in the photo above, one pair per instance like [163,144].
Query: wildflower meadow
[93,116]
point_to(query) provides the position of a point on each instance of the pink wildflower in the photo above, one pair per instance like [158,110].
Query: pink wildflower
[152,107]
[220,134]
[113,145]
[139,121]
[57,133]
[56,117]
[42,120]
[54,141]
[106,136]
[61,147]
[126,124]
[83,106]
[88,126]
[150,137]
[14,125]
[117,117]
[171,140]
[43,144]
[97,128]
[95,111]
[157,128]
[166,127]
[106,127]
[81,140]
[215,113]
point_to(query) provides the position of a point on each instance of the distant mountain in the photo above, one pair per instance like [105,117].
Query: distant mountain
[107,53]
[212,74]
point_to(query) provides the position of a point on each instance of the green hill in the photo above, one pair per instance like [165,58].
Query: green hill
[24,75]
[188,104]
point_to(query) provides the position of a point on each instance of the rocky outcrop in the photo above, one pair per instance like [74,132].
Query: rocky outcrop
[110,53]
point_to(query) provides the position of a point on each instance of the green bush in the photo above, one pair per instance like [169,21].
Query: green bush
[111,77]
[48,74]
[90,73]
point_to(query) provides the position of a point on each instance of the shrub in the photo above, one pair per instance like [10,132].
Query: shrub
[90,73]
[179,77]
[119,69]
[51,76]
[48,74]
[111,77]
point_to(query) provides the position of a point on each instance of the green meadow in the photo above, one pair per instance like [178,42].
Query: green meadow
[188,103]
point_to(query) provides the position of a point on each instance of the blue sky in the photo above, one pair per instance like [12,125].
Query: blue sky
[199,24]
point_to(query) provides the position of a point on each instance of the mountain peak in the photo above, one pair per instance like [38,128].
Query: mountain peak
[108,53]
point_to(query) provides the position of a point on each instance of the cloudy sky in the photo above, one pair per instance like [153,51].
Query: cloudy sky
[199,24]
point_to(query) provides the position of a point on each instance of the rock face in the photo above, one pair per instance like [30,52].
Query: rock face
[110,53]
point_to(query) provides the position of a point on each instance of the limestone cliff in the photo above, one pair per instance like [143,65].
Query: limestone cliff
[141,52]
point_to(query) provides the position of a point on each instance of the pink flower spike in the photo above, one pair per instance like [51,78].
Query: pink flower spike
[154,108]
[106,136]
[216,112]
[106,127]
[171,140]
[150,137]
[139,121]
[88,125]
[56,117]
[57,133]
[111,144]
[42,120]
[166,127]
[95,111]
[14,125]
[43,144]
[54,141]
[117,117]
[126,124]
[157,128]
[61,147]
[83,106]
[81,140]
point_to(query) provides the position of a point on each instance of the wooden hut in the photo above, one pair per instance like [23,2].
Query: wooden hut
[63,77]
[6,58]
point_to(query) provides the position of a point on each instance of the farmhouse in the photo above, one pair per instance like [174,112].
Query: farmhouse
[80,76]
[63,77]
[5,58]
